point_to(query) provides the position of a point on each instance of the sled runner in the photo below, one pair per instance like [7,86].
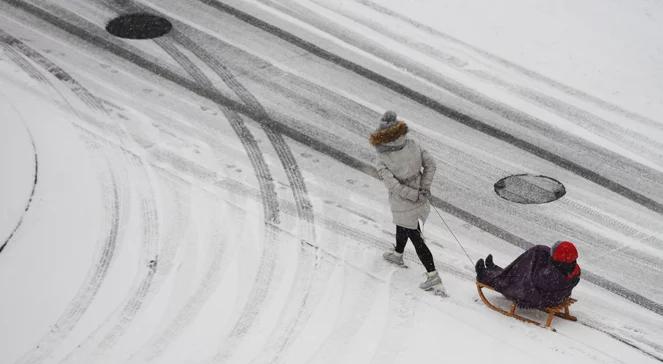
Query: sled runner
[562,310]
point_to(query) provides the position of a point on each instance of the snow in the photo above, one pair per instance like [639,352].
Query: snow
[18,171]
[608,49]
[165,228]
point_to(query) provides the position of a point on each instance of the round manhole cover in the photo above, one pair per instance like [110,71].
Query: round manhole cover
[529,189]
[139,26]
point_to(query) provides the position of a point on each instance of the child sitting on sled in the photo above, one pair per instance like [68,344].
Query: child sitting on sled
[540,277]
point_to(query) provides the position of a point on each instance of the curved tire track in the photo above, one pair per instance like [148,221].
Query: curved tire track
[300,195]
[78,89]
[245,136]
[88,290]
[271,216]
[293,173]
[167,254]
[15,56]
[191,308]
[118,323]
[32,191]
[270,204]
[95,104]
[135,301]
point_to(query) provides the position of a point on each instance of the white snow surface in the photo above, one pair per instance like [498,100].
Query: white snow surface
[161,227]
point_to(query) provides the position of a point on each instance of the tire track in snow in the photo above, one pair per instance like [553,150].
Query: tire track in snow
[614,132]
[534,75]
[64,77]
[138,296]
[271,212]
[400,320]
[300,307]
[250,144]
[245,135]
[117,323]
[28,203]
[16,57]
[297,185]
[190,310]
[263,278]
[436,106]
[149,212]
[134,302]
[343,112]
[300,195]
[636,232]
[285,155]
[339,155]
[348,325]
[85,297]
[93,280]
[256,297]
[583,118]
[89,36]
[355,307]
[182,319]
[599,327]
[167,256]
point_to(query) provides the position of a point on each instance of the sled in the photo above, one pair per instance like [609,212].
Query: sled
[561,310]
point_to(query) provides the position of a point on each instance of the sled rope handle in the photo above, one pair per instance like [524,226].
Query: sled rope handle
[454,235]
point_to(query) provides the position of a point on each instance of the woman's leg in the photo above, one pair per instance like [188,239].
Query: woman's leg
[422,250]
[401,239]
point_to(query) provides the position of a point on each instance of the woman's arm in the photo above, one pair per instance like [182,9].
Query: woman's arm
[393,185]
[430,167]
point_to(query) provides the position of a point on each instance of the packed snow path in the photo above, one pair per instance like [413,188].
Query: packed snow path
[208,196]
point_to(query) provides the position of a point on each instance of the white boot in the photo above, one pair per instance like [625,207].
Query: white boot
[432,279]
[394,257]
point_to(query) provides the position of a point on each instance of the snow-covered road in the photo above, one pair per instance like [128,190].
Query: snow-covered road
[209,196]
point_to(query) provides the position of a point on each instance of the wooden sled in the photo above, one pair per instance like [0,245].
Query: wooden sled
[562,310]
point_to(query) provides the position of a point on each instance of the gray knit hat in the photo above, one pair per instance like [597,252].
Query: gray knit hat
[388,119]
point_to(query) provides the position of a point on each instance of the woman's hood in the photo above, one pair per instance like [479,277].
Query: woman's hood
[389,135]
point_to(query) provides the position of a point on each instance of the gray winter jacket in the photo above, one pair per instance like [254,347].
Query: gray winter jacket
[406,168]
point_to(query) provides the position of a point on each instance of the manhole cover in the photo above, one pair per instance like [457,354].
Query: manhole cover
[139,26]
[529,189]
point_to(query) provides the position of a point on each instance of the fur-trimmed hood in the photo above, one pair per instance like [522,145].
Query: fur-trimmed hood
[386,135]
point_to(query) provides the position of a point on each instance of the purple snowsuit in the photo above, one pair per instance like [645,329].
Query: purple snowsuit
[531,280]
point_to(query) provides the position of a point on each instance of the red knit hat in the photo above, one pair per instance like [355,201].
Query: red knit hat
[564,252]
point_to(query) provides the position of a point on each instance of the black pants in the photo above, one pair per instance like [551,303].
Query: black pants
[402,234]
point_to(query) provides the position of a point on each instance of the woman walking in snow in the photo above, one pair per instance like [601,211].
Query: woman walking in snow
[407,171]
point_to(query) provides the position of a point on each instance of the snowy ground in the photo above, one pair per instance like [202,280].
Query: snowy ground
[208,196]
